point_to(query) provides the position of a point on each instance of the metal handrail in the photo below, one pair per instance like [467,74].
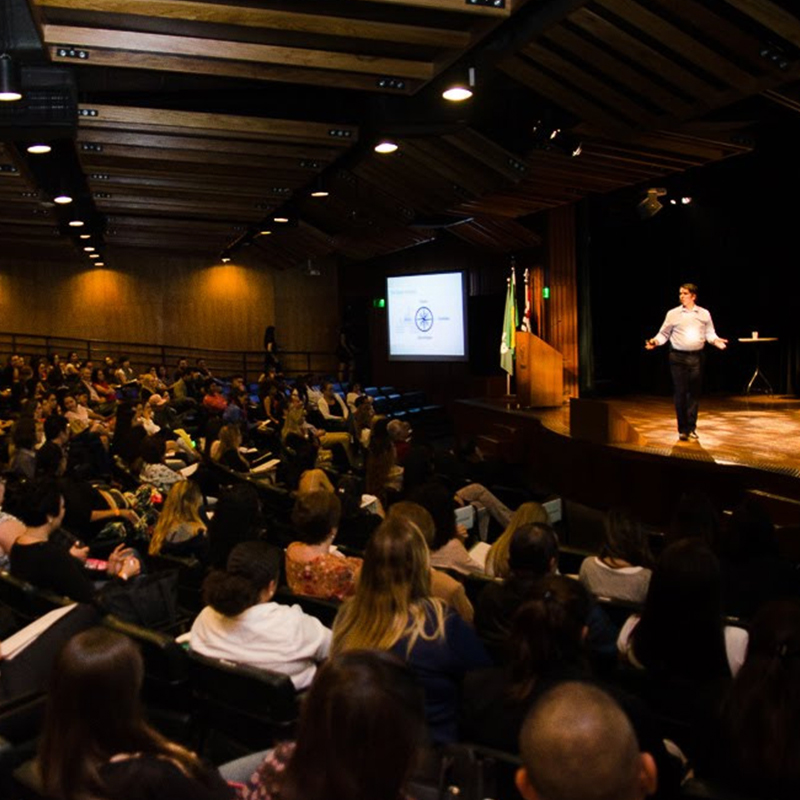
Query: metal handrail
[144,354]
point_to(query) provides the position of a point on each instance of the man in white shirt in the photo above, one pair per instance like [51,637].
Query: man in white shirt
[687,328]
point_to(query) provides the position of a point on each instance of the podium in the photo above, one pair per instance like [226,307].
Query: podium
[540,372]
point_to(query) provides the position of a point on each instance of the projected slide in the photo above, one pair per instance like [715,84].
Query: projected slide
[426,317]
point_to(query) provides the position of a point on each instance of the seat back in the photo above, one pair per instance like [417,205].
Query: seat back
[239,707]
[25,601]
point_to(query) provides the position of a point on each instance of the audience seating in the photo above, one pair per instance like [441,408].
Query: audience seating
[191,574]
[238,708]
[25,601]
[21,720]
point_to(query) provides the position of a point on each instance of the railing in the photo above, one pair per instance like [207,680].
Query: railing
[143,355]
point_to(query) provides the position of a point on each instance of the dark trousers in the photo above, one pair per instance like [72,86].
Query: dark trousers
[686,371]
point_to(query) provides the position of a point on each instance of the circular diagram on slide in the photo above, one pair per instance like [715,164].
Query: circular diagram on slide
[423,319]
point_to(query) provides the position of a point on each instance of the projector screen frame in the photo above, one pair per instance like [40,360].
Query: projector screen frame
[441,358]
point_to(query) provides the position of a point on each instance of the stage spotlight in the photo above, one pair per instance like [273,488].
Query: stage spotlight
[651,205]
[686,201]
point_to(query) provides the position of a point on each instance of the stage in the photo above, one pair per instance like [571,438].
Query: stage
[747,444]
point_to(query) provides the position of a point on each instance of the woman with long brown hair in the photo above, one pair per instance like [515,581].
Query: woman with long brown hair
[393,610]
[96,743]
[180,530]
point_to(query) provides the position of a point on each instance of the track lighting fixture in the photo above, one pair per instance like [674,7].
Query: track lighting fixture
[10,86]
[462,89]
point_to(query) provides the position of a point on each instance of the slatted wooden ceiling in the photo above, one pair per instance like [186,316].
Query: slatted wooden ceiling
[636,79]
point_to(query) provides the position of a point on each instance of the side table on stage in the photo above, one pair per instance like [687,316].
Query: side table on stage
[755,341]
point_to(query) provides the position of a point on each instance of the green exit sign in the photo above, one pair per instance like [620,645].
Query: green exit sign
[546,292]
[379,302]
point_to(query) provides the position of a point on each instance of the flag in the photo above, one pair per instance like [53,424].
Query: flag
[508,342]
[526,317]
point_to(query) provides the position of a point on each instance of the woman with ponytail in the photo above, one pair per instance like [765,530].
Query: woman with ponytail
[547,646]
[240,623]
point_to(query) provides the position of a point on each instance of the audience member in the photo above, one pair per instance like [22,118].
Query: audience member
[546,646]
[240,623]
[181,530]
[95,741]
[754,749]
[153,451]
[443,585]
[578,744]
[313,566]
[393,610]
[622,570]
[497,558]
[358,736]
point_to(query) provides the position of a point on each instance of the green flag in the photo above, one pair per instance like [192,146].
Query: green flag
[509,340]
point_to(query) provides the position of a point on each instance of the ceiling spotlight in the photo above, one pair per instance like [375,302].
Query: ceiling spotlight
[39,149]
[577,150]
[555,133]
[280,219]
[386,146]
[650,206]
[76,223]
[673,202]
[319,189]
[99,263]
[686,201]
[62,199]
[225,257]
[10,89]
[265,233]
[88,249]
[94,255]
[85,236]
[461,90]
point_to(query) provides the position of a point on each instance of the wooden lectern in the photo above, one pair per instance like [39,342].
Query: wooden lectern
[540,372]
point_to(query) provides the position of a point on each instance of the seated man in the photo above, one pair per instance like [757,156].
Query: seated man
[578,744]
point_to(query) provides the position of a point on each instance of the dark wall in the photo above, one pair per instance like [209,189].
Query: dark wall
[737,241]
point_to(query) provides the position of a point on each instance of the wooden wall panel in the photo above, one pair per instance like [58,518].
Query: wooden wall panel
[562,313]
[172,300]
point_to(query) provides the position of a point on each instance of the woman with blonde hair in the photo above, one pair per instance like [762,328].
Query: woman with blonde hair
[497,557]
[225,450]
[393,610]
[181,530]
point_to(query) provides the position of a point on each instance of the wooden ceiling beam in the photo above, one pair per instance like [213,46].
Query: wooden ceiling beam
[153,120]
[286,152]
[273,19]
[283,169]
[635,49]
[776,19]
[681,43]
[562,95]
[583,80]
[458,6]
[186,65]
[165,224]
[115,181]
[618,70]
[108,39]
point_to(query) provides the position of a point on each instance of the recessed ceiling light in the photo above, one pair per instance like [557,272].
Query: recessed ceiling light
[320,193]
[385,147]
[265,233]
[94,255]
[39,149]
[99,263]
[88,249]
[62,199]
[280,219]
[85,236]
[76,223]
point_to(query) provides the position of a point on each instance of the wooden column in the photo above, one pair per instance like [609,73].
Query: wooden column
[561,317]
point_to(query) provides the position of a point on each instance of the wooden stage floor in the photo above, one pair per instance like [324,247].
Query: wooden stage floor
[760,431]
